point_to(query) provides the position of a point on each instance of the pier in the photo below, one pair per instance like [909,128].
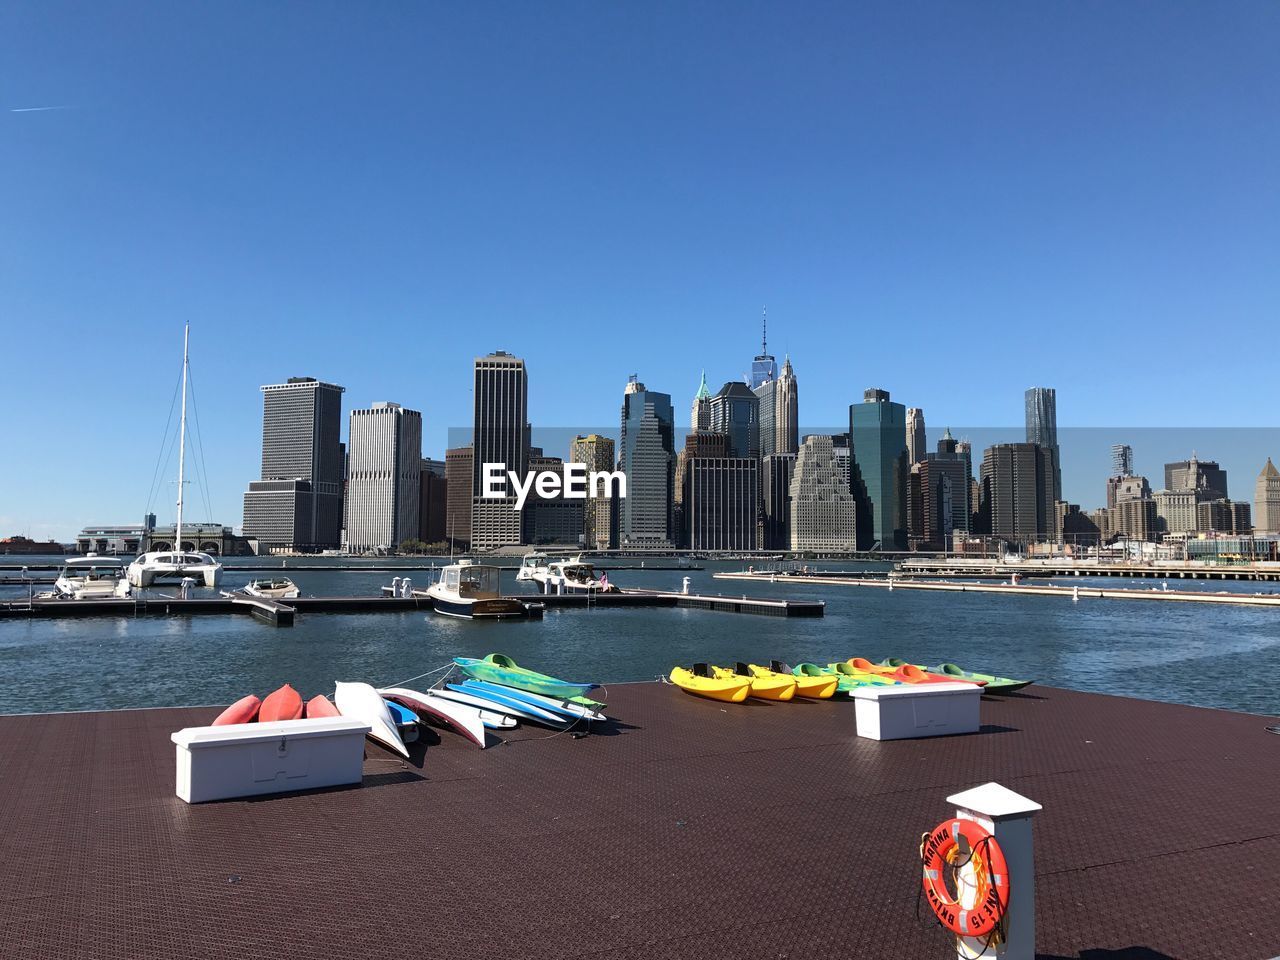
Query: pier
[1074,592]
[1161,570]
[685,828]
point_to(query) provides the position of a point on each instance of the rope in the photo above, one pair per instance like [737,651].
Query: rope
[996,936]
[165,441]
[447,666]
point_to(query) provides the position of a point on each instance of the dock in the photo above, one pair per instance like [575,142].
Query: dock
[1065,568]
[686,828]
[760,606]
[1074,592]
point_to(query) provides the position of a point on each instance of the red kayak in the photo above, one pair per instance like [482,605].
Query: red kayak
[242,711]
[283,704]
[321,707]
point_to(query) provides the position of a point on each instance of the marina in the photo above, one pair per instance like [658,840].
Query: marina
[636,812]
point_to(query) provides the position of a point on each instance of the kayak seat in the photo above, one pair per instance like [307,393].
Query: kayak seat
[741,669]
[702,670]
[777,666]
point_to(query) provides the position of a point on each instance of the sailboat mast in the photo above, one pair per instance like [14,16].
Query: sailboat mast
[182,440]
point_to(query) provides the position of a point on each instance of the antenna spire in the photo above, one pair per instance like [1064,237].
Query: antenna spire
[764,331]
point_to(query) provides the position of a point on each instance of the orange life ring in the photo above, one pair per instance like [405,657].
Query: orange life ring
[938,852]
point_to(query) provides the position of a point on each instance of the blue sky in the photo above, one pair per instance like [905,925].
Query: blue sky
[953,201]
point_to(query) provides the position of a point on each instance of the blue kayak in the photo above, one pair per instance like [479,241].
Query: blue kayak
[406,720]
[482,687]
[535,713]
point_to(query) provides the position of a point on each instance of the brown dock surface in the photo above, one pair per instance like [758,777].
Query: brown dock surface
[687,829]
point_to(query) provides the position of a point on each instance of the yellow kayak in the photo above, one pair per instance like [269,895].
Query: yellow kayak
[765,685]
[813,688]
[702,681]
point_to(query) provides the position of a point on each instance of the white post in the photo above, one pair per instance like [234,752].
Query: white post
[685,586]
[1006,816]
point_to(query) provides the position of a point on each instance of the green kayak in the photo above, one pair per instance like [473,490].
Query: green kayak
[497,668]
[994,684]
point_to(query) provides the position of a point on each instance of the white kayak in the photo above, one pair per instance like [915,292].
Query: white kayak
[465,719]
[535,714]
[361,702]
[555,704]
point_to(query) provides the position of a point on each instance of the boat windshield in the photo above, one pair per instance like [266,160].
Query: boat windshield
[479,578]
[77,572]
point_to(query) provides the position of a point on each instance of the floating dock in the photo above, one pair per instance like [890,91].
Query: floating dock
[942,568]
[1074,592]
[761,606]
[640,841]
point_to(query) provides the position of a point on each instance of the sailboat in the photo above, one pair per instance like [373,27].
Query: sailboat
[177,564]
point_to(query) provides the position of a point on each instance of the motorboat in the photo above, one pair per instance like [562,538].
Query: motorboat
[279,589]
[177,563]
[568,575]
[91,578]
[531,565]
[470,590]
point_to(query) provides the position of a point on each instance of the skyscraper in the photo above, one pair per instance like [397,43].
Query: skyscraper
[297,505]
[786,417]
[878,435]
[735,412]
[776,472]
[1266,500]
[458,474]
[1204,477]
[766,413]
[597,453]
[433,502]
[764,366]
[916,443]
[944,493]
[1042,428]
[384,476]
[647,457]
[1017,491]
[500,435]
[823,513]
[1121,460]
[700,415]
[720,500]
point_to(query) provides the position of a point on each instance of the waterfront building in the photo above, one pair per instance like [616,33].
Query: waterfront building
[1017,491]
[555,519]
[735,412]
[211,538]
[597,453]
[297,503]
[764,366]
[1266,500]
[1175,511]
[115,538]
[699,443]
[1223,516]
[776,472]
[1042,429]
[823,511]
[943,501]
[500,434]
[700,415]
[384,476]
[1205,477]
[433,501]
[458,475]
[878,434]
[720,500]
[646,456]
[1134,518]
[916,445]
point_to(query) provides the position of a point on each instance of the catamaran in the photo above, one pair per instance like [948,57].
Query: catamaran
[177,564]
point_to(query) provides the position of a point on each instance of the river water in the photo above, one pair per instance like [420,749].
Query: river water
[1210,655]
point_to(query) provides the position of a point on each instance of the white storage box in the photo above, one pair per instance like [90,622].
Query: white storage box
[917,710]
[249,759]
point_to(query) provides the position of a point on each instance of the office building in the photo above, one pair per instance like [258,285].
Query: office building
[646,456]
[1175,511]
[700,415]
[776,472]
[916,444]
[433,501]
[764,366]
[500,434]
[1016,492]
[735,412]
[823,512]
[1204,477]
[766,412]
[943,499]
[458,476]
[699,443]
[878,435]
[1121,460]
[597,453]
[1042,429]
[1223,516]
[1135,518]
[1266,500]
[384,475]
[1075,528]
[786,416]
[556,519]
[297,503]
[720,500]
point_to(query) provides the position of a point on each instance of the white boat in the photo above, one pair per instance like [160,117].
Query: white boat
[532,564]
[568,575]
[280,589]
[91,578]
[361,702]
[470,591]
[177,563]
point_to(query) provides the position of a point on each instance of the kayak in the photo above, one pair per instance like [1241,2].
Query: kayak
[539,714]
[993,684]
[846,669]
[244,710]
[702,682]
[845,683]
[905,674]
[497,668]
[486,705]
[361,702]
[764,686]
[406,720]
[914,673]
[820,687]
[319,706]
[571,710]
[466,720]
[282,704]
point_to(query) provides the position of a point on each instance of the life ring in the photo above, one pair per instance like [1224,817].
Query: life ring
[938,852]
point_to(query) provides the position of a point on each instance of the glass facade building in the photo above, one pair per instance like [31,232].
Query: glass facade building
[878,437]
[646,454]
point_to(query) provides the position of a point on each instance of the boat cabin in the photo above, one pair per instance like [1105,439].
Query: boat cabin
[472,581]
